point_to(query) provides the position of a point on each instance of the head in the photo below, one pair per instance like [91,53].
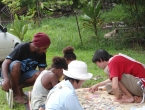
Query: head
[59,63]
[41,42]
[100,58]
[77,73]
[69,54]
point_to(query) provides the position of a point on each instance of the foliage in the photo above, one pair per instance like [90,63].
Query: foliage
[19,27]
[28,3]
[92,15]
[14,5]
[63,32]
[54,5]
[133,33]
[115,14]
[136,11]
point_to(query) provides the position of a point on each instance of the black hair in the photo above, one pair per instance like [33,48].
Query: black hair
[101,55]
[59,62]
[69,53]
[68,78]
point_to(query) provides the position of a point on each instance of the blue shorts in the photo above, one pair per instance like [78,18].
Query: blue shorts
[25,75]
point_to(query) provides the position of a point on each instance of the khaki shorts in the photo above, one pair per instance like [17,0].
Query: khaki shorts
[130,83]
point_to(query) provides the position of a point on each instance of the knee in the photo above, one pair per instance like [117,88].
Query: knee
[36,75]
[108,87]
[17,65]
[16,69]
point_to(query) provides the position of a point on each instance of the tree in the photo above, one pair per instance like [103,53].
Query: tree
[92,15]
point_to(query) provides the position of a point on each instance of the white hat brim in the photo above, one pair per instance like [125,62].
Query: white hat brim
[83,77]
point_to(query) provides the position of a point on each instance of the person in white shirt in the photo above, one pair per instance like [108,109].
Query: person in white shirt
[46,81]
[63,96]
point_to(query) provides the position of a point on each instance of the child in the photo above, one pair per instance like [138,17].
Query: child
[69,54]
[124,73]
[46,81]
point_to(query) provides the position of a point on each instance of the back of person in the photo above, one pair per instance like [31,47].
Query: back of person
[58,98]
[39,92]
[119,64]
[46,81]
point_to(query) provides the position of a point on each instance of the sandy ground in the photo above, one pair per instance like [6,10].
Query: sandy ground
[101,100]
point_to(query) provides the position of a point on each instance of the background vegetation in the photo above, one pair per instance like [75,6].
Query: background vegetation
[65,30]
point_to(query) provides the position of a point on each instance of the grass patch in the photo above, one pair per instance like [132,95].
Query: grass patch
[63,32]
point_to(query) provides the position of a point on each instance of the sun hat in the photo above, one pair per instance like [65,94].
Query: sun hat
[41,39]
[77,70]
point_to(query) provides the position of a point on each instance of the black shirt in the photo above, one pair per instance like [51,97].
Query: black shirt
[29,60]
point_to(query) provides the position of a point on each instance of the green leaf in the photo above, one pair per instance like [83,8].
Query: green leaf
[41,5]
[85,17]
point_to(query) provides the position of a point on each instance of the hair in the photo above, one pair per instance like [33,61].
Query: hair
[59,62]
[101,55]
[68,78]
[69,53]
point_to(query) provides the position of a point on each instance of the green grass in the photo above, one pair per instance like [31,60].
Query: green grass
[63,32]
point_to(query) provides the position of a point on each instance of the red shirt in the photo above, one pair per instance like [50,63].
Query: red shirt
[119,65]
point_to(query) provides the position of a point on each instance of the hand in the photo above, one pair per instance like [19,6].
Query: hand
[6,85]
[93,88]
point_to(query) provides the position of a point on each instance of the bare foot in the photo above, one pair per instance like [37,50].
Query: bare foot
[19,99]
[22,94]
[125,99]
[137,99]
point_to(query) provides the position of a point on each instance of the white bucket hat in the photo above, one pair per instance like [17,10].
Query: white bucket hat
[77,70]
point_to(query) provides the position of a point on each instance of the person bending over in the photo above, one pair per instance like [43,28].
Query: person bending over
[46,81]
[63,96]
[19,67]
[124,73]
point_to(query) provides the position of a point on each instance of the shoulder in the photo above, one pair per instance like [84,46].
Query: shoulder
[23,45]
[116,58]
[48,74]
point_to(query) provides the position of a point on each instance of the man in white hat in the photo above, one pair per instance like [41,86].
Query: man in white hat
[63,96]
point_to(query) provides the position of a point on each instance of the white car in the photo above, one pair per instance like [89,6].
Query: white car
[7,43]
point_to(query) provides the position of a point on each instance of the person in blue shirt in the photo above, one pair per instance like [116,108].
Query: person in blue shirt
[63,96]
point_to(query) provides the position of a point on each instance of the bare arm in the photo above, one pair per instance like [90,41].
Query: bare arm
[95,87]
[115,87]
[5,70]
[41,69]
[49,80]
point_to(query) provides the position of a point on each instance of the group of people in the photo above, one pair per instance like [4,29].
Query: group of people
[54,88]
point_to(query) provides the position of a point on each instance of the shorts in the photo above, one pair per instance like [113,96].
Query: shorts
[25,75]
[129,82]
